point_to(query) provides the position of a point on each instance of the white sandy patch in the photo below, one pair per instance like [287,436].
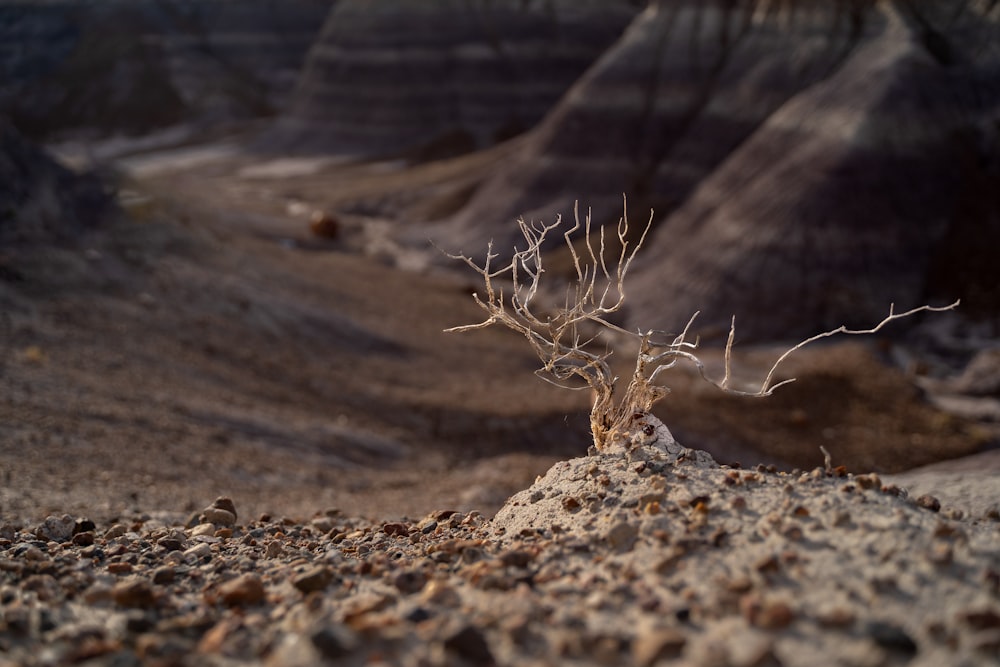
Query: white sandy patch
[151,164]
[289,167]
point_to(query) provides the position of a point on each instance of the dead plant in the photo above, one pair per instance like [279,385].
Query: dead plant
[568,341]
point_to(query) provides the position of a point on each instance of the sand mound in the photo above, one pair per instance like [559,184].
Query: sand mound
[676,556]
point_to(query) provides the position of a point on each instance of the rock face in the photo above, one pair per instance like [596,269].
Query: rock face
[130,67]
[808,164]
[443,75]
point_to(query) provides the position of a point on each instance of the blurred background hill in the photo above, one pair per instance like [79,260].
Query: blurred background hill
[120,67]
[216,216]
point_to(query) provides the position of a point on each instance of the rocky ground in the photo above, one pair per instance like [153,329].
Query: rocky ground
[650,554]
[265,329]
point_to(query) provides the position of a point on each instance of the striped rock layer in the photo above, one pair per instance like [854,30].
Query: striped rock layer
[390,76]
[809,162]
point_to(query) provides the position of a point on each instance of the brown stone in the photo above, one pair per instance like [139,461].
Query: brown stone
[164,575]
[395,529]
[409,581]
[218,517]
[835,617]
[517,558]
[246,589]
[929,502]
[981,619]
[570,504]
[324,225]
[766,613]
[133,593]
[313,579]
[470,643]
[84,539]
[225,503]
[656,644]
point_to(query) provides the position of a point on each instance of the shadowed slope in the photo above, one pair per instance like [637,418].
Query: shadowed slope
[810,153]
[837,205]
[686,84]
[39,199]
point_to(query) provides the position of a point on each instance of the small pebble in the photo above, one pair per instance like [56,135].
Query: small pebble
[133,593]
[217,517]
[114,531]
[225,503]
[766,613]
[981,619]
[516,558]
[622,536]
[84,539]
[203,529]
[929,502]
[986,644]
[891,637]
[170,543]
[837,616]
[198,552]
[246,589]
[333,641]
[409,581]
[941,554]
[313,579]
[570,504]
[419,615]
[655,644]
[395,529]
[438,592]
[470,643]
[56,528]
[164,575]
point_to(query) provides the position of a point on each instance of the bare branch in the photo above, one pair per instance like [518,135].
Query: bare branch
[766,389]
[557,339]
[567,352]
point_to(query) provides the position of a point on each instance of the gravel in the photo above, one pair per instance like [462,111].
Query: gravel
[663,557]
